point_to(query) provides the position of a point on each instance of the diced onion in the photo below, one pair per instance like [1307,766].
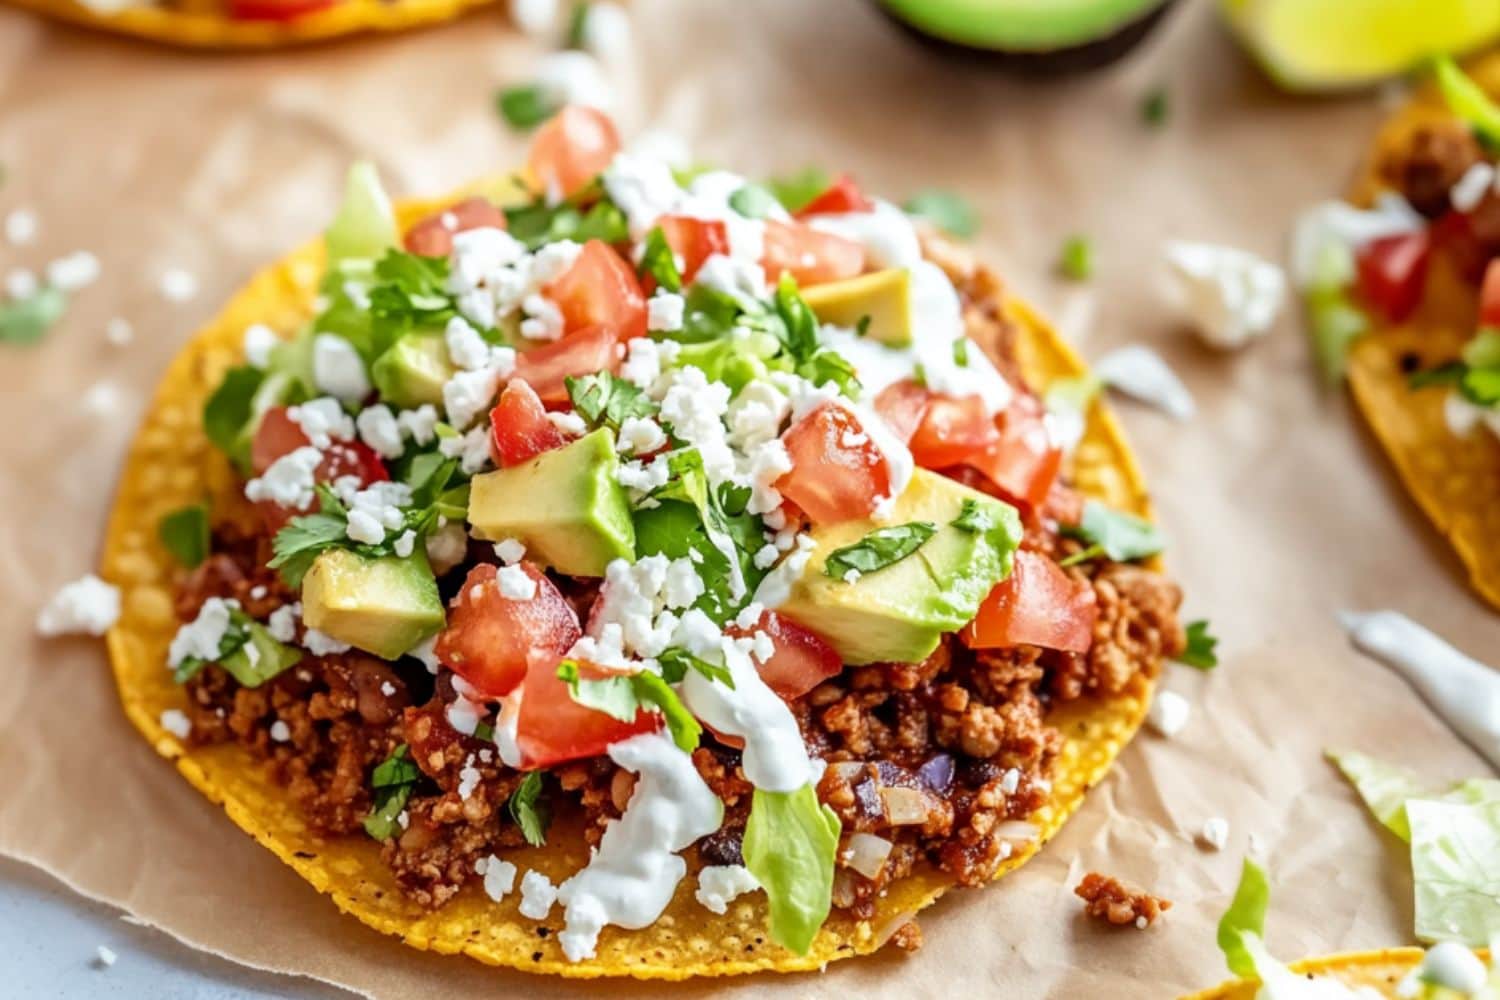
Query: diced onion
[1018,831]
[849,770]
[866,854]
[843,888]
[905,806]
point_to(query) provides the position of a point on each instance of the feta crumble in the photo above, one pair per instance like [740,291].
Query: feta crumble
[259,340]
[280,731]
[73,271]
[1140,372]
[468,779]
[537,895]
[86,606]
[499,877]
[176,722]
[105,957]
[20,226]
[378,429]
[178,285]
[320,644]
[282,624]
[719,885]
[1168,713]
[118,331]
[323,420]
[515,583]
[664,311]
[1229,296]
[1215,833]
[202,637]
[509,551]
[338,369]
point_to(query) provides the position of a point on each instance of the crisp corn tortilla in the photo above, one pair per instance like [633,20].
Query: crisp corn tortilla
[1379,970]
[212,29]
[171,463]
[1455,480]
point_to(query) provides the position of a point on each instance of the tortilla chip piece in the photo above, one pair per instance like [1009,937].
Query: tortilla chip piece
[171,463]
[212,29]
[1454,480]
[1378,970]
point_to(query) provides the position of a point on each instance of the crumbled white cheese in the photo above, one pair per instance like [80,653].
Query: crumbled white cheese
[466,348]
[640,436]
[472,448]
[118,331]
[664,311]
[419,424]
[424,651]
[320,644]
[74,271]
[544,318]
[105,957]
[510,551]
[289,480]
[178,285]
[1215,833]
[378,429]
[499,877]
[280,731]
[1471,188]
[20,226]
[201,637]
[338,369]
[259,341]
[1230,296]
[537,18]
[1447,965]
[20,284]
[720,885]
[568,422]
[1338,223]
[176,722]
[766,556]
[1141,373]
[537,895]
[645,359]
[469,393]
[405,544]
[1168,713]
[87,606]
[642,477]
[283,622]
[468,779]
[323,420]
[515,583]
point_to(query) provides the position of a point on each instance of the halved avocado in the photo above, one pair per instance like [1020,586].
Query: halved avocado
[1040,37]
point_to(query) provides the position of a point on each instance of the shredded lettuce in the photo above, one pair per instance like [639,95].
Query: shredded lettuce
[1467,100]
[365,226]
[1384,788]
[789,846]
[1245,918]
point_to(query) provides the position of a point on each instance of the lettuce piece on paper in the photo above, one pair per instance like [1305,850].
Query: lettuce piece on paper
[1455,860]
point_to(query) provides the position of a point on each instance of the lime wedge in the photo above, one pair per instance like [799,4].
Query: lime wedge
[1318,45]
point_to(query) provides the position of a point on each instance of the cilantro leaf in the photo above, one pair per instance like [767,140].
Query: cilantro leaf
[961,352]
[676,662]
[1154,107]
[229,409]
[185,534]
[604,398]
[799,325]
[27,320]
[530,812]
[539,223]
[409,291]
[236,634]
[578,20]
[1120,536]
[1200,647]
[392,782]
[827,365]
[1076,261]
[299,543]
[525,106]
[973,517]
[795,191]
[622,696]
[658,261]
[753,202]
[879,549]
[946,210]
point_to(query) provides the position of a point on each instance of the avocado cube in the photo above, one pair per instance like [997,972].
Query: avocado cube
[260,658]
[883,296]
[899,613]
[383,605]
[412,371]
[566,506]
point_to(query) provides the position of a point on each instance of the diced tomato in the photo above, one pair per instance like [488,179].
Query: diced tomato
[600,289]
[433,236]
[279,435]
[519,428]
[274,10]
[1064,505]
[837,473]
[1025,460]
[1392,273]
[694,240]
[843,195]
[551,727]
[951,430]
[1037,605]
[801,661]
[903,405]
[582,353]
[571,149]
[1489,295]
[492,640]
[810,256]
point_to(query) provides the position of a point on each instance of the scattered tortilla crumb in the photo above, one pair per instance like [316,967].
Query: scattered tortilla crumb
[104,957]
[1111,900]
[908,936]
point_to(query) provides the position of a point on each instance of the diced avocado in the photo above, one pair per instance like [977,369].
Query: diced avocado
[898,613]
[884,296]
[413,370]
[565,505]
[384,605]
[261,658]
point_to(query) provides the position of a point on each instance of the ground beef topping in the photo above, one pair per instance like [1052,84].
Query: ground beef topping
[1115,902]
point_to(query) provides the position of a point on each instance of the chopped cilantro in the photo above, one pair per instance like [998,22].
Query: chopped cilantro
[676,662]
[972,517]
[621,696]
[658,261]
[228,412]
[525,106]
[961,352]
[1076,261]
[236,634]
[1120,536]
[529,810]
[184,532]
[392,782]
[946,210]
[1154,107]
[27,320]
[578,19]
[604,398]
[880,548]
[1200,647]
[299,543]
[538,223]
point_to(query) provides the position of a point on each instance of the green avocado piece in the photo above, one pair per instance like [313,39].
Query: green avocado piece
[566,506]
[899,613]
[260,658]
[383,605]
[884,297]
[413,369]
[1043,36]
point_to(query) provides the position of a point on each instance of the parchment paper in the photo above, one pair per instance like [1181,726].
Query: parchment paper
[1279,508]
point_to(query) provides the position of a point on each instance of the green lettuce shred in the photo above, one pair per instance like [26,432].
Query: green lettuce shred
[789,846]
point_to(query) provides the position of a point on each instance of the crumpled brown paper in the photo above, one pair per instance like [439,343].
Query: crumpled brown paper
[1279,507]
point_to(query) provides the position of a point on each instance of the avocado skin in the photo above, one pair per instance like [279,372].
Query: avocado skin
[1071,59]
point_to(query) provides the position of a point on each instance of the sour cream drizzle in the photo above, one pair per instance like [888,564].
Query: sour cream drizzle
[632,876]
[775,758]
[1464,692]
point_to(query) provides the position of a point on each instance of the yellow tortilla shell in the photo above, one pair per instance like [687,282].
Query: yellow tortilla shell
[172,464]
[1455,480]
[211,29]
[1379,970]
